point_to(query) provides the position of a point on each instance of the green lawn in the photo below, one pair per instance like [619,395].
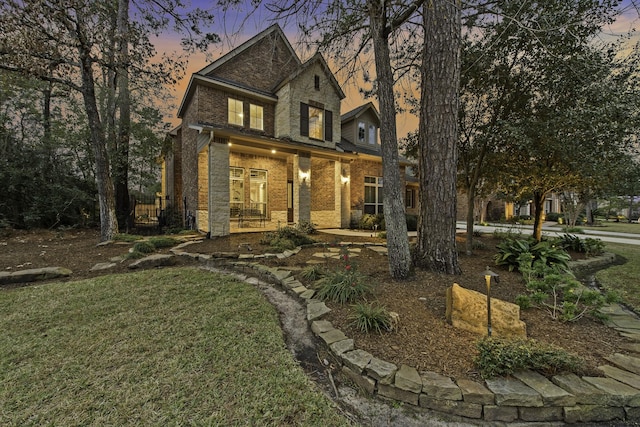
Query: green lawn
[623,278]
[165,347]
[619,227]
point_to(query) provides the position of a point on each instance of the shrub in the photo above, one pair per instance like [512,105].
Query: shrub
[499,357]
[559,293]
[589,246]
[285,238]
[345,283]
[306,227]
[511,250]
[554,216]
[372,317]
[370,221]
[144,247]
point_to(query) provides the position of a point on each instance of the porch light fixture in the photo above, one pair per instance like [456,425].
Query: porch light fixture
[488,276]
[344,179]
[273,151]
[304,175]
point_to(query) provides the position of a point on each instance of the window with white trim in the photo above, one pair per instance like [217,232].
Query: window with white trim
[258,190]
[316,127]
[373,197]
[235,112]
[256,113]
[236,191]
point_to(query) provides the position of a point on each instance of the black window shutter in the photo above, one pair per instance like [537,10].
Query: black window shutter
[304,119]
[328,125]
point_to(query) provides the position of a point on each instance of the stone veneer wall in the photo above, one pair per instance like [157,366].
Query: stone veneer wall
[528,396]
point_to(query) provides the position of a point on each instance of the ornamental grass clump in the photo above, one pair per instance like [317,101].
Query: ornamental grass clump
[372,317]
[345,284]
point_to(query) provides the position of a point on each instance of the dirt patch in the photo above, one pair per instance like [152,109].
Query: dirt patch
[423,340]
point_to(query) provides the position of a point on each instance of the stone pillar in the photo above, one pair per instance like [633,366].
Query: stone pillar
[344,180]
[218,189]
[302,185]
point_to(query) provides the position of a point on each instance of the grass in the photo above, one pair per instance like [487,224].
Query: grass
[164,347]
[618,227]
[623,278]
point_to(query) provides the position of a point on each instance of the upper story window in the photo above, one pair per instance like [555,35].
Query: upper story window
[235,112]
[361,131]
[316,82]
[256,117]
[316,122]
[373,134]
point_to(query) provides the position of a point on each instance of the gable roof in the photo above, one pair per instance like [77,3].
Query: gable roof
[273,29]
[315,59]
[357,112]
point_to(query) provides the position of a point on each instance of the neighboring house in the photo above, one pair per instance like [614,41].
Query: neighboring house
[262,142]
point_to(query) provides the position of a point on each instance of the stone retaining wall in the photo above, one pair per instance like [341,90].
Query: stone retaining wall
[528,396]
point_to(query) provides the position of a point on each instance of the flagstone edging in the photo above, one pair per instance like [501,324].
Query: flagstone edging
[528,396]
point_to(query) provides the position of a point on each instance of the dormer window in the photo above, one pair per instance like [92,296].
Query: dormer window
[361,131]
[316,82]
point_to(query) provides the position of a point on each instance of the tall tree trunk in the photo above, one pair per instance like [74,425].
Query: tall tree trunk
[538,205]
[108,221]
[121,161]
[438,133]
[394,210]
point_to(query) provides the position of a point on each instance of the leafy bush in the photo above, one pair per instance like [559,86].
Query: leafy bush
[144,247]
[285,238]
[589,246]
[499,357]
[372,317]
[370,221]
[554,216]
[306,227]
[559,293]
[511,251]
[593,247]
[344,284]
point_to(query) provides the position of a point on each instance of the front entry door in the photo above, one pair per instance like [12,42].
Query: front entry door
[289,201]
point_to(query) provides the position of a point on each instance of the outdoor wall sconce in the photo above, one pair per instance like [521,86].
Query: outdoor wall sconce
[488,276]
[344,179]
[304,175]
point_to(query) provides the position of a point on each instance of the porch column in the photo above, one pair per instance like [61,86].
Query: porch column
[218,188]
[302,185]
[344,181]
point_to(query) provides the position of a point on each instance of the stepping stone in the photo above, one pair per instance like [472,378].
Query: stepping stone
[155,260]
[621,375]
[631,364]
[619,394]
[103,266]
[625,322]
[633,347]
[34,274]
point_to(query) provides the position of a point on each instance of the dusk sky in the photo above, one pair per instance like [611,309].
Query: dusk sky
[235,27]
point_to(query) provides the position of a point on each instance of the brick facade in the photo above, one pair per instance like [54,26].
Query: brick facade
[308,179]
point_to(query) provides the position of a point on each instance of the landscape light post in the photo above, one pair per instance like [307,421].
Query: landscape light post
[488,275]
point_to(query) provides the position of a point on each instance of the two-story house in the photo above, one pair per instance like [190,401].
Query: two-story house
[262,140]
